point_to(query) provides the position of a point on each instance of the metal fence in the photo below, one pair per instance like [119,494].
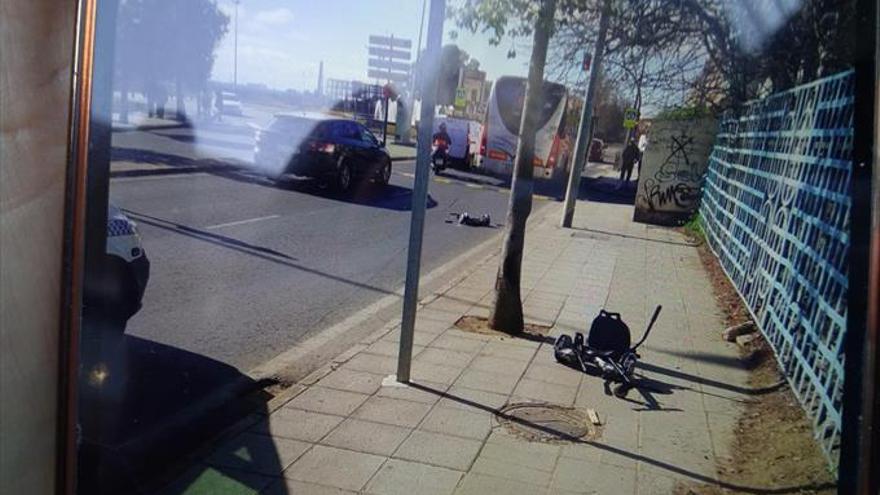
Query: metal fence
[775,210]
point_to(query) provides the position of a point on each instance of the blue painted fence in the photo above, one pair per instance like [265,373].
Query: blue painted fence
[775,209]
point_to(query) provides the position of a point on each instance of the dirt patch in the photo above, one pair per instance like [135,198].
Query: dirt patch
[480,325]
[774,447]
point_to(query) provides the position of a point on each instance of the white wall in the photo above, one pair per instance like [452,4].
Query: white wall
[36,39]
[672,170]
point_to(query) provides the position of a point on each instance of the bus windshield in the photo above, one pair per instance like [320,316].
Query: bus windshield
[511,94]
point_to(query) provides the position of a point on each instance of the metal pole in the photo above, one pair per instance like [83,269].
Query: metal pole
[585,128]
[235,51]
[420,191]
[419,50]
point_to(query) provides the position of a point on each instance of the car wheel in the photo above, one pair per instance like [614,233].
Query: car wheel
[344,178]
[385,174]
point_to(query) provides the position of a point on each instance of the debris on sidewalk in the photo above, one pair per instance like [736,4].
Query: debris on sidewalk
[730,334]
[746,340]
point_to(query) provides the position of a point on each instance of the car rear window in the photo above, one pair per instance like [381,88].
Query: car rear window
[296,126]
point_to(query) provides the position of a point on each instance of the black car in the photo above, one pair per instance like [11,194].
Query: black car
[339,151]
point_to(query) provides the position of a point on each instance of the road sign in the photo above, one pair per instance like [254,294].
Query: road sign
[386,75]
[460,98]
[376,51]
[385,64]
[630,118]
[390,41]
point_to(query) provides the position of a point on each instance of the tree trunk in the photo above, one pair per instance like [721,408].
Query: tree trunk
[506,314]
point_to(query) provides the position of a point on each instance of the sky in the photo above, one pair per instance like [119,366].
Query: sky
[282,42]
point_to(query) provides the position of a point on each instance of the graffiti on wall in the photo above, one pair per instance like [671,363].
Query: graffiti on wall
[670,176]
[775,209]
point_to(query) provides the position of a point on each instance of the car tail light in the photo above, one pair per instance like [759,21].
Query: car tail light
[483,140]
[554,152]
[322,147]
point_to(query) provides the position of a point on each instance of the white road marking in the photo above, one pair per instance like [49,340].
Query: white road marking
[241,222]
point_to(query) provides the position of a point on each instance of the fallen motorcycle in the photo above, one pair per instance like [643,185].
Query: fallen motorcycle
[605,351]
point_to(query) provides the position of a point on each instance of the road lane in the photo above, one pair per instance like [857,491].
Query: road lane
[244,293]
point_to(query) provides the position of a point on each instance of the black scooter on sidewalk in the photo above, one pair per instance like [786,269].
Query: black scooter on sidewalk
[606,351]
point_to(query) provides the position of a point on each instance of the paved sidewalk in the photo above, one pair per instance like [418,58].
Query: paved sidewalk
[344,432]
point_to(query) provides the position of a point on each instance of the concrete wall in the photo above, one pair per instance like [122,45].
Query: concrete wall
[672,170]
[36,37]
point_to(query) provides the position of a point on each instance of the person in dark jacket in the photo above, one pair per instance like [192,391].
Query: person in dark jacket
[628,161]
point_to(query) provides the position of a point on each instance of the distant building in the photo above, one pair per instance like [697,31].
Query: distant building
[476,92]
[353,96]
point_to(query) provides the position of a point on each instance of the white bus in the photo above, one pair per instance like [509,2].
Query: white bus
[501,129]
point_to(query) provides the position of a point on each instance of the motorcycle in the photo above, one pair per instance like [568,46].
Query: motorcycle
[439,156]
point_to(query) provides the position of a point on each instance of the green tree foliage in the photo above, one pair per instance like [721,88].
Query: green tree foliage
[167,42]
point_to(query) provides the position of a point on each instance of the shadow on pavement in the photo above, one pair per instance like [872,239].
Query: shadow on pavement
[658,463]
[605,190]
[144,407]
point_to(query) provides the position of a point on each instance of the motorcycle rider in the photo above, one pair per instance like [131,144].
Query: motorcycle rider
[442,142]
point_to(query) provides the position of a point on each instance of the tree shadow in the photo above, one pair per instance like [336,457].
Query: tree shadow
[144,407]
[658,463]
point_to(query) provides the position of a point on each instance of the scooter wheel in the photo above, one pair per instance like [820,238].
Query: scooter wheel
[562,342]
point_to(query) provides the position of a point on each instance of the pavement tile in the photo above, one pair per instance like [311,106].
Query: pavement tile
[473,399]
[482,484]
[293,487]
[458,422]
[490,382]
[353,381]
[435,372]
[514,450]
[328,401]
[371,363]
[444,357]
[297,424]
[453,342]
[418,391]
[392,411]
[557,374]
[335,467]
[496,364]
[439,450]
[501,349]
[503,468]
[573,475]
[390,349]
[398,477]
[258,453]
[208,480]
[546,392]
[420,339]
[366,436]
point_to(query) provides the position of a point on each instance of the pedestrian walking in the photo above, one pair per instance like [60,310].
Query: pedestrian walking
[628,161]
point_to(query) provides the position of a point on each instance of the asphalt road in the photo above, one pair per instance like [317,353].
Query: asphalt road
[243,267]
